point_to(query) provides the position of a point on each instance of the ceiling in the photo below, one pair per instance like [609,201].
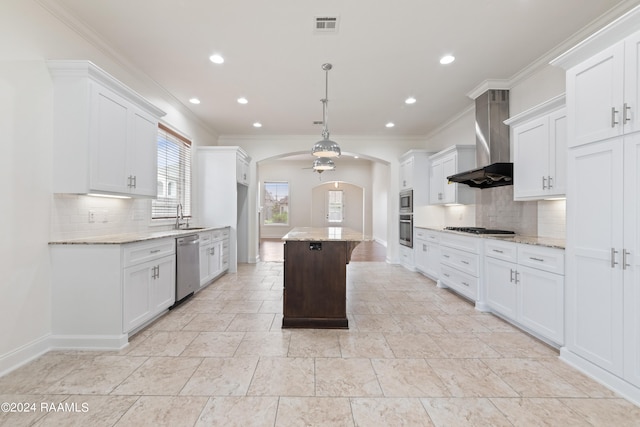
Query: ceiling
[382,53]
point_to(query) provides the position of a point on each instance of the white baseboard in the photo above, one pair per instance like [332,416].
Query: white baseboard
[382,242]
[24,354]
[607,379]
[89,342]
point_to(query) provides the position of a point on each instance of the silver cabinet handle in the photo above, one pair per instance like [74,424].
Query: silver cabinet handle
[155,251]
[135,181]
[625,253]
[550,185]
[498,251]
[544,182]
[511,271]
[626,109]
[517,277]
[445,275]
[613,257]
[536,259]
[464,262]
[424,248]
[466,284]
[613,117]
[158,270]
[446,256]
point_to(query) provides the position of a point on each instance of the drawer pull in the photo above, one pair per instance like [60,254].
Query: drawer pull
[445,275]
[466,284]
[464,262]
[446,256]
[536,259]
[498,251]
[511,271]
[155,251]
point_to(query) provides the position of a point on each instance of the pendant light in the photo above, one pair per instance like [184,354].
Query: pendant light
[326,147]
[322,164]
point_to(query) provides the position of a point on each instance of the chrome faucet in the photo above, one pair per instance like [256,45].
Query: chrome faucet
[179,216]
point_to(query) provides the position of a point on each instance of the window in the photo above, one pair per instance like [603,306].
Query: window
[335,206]
[276,203]
[174,174]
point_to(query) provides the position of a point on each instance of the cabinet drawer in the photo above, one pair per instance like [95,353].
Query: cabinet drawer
[432,236]
[542,258]
[460,260]
[507,251]
[465,284]
[136,253]
[464,243]
[419,233]
[218,234]
[205,238]
[225,233]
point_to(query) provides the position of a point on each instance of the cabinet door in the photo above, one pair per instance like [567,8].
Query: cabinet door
[541,302]
[632,83]
[631,270]
[137,299]
[594,95]
[558,153]
[531,159]
[500,286]
[163,287]
[449,190]
[594,229]
[420,253]
[142,155]
[435,183]
[108,136]
[406,174]
[205,257]
[432,262]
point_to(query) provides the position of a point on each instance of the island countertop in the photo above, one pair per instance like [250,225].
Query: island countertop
[324,234]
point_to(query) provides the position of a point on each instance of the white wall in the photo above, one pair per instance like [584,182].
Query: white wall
[380,194]
[28,36]
[303,180]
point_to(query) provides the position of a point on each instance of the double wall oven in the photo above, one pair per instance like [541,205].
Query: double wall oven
[406,218]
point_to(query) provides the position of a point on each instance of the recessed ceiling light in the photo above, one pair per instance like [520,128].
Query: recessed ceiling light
[216,59]
[257,125]
[410,100]
[356,157]
[390,124]
[194,101]
[243,100]
[447,59]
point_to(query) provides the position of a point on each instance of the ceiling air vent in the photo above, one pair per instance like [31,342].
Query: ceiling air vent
[326,24]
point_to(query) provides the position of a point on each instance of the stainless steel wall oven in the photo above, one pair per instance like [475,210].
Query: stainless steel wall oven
[406,230]
[406,201]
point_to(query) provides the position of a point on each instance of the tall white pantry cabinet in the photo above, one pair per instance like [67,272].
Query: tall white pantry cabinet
[603,207]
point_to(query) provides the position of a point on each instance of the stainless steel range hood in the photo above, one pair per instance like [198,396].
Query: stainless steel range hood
[492,143]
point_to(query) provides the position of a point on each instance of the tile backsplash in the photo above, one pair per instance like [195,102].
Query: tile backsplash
[75,216]
[495,208]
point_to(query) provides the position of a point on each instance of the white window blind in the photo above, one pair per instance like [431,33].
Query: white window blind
[174,174]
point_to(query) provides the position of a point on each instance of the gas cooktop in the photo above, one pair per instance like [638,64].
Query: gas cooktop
[479,230]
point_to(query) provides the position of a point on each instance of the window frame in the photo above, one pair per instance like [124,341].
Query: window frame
[265,205]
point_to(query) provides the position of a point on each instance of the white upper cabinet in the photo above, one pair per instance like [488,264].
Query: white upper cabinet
[105,135]
[414,174]
[539,138]
[604,94]
[450,161]
[242,168]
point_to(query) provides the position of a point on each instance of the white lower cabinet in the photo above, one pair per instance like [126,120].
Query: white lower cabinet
[214,254]
[460,264]
[148,289]
[525,284]
[426,249]
[103,292]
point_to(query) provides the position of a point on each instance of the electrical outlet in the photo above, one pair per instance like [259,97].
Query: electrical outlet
[92,216]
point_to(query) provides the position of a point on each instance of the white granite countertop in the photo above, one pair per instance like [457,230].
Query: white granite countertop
[549,242]
[118,239]
[324,234]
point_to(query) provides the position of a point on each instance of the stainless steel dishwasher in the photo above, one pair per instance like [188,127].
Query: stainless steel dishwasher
[187,266]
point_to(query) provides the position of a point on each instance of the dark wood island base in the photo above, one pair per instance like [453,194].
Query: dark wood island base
[315,277]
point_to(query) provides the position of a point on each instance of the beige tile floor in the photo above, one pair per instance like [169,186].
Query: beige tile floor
[414,355]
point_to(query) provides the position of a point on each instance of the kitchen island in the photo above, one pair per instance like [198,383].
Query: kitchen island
[315,276]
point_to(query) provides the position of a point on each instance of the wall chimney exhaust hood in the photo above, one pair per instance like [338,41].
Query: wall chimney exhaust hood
[492,143]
